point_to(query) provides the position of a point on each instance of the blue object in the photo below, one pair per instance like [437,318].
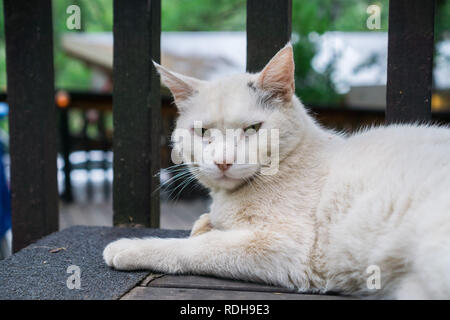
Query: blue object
[4,108]
[5,200]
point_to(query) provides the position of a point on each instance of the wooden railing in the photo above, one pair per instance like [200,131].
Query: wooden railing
[32,119]
[136,112]
[410,60]
[136,98]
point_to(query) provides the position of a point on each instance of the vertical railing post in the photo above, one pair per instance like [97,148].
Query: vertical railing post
[269,26]
[137,112]
[32,119]
[410,60]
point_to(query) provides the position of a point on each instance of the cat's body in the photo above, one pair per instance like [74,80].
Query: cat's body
[337,207]
[385,203]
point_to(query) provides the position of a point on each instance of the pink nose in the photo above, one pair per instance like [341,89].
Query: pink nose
[223,166]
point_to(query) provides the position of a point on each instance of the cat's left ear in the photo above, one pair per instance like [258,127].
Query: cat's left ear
[277,77]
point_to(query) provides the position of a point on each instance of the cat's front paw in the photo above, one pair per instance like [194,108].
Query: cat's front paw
[114,248]
[130,259]
[143,254]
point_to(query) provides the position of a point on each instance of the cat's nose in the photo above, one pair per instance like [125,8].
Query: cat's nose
[223,166]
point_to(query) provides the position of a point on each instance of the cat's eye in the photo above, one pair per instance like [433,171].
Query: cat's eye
[253,128]
[200,131]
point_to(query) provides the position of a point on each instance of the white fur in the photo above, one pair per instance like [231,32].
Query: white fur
[336,206]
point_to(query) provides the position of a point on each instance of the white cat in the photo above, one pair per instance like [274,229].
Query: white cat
[339,212]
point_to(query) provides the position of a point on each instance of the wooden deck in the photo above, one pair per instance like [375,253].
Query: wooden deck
[167,287]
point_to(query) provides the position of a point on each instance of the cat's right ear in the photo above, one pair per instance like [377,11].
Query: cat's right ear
[277,77]
[182,87]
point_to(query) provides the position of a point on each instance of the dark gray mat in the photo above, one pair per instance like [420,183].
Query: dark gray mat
[38,273]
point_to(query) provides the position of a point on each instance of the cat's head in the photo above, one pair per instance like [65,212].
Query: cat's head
[250,108]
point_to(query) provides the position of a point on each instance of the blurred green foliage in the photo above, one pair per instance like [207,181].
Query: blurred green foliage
[203,15]
[309,18]
[96,16]
[315,18]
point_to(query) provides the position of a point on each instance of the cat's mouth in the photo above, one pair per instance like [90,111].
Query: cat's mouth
[213,177]
[235,177]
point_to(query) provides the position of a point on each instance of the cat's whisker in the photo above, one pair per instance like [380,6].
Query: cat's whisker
[194,184]
[173,179]
[186,172]
[170,169]
[183,186]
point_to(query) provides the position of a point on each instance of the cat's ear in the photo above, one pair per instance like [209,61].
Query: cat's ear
[182,87]
[277,77]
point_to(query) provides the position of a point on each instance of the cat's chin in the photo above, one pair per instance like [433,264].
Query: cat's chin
[228,183]
[224,183]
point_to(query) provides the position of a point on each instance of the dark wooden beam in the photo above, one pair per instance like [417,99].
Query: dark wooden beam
[268,30]
[32,119]
[137,112]
[410,60]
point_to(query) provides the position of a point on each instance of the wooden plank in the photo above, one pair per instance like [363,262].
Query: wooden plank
[150,278]
[268,30]
[410,60]
[136,110]
[204,282]
[149,293]
[32,119]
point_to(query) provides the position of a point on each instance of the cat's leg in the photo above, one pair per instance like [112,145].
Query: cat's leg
[238,254]
[202,225]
